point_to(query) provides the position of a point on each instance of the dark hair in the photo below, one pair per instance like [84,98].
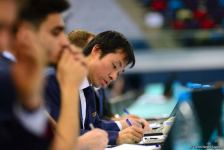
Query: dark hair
[111,42]
[36,11]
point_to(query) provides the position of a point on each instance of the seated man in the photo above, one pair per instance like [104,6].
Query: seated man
[14,128]
[80,39]
[39,33]
[107,55]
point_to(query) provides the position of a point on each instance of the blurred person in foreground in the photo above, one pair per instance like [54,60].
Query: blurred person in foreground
[95,139]
[14,130]
[39,32]
[67,60]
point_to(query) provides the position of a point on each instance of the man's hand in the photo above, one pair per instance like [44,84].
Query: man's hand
[71,69]
[93,140]
[136,121]
[145,125]
[130,135]
[27,72]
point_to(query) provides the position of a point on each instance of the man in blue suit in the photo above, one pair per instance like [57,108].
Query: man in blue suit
[7,18]
[39,30]
[13,129]
[107,54]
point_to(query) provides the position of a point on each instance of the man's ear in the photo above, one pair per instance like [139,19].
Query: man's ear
[96,51]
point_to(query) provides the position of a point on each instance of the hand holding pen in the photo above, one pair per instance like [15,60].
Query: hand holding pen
[95,139]
[139,122]
[137,119]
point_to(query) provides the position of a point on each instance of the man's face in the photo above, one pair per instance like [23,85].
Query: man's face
[102,71]
[52,37]
[7,18]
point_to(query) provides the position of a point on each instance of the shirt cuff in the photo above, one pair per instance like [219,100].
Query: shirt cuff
[119,124]
[36,122]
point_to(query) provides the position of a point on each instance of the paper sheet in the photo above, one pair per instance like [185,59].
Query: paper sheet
[134,147]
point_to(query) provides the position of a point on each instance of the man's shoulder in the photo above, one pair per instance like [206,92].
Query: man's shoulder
[5,71]
[4,65]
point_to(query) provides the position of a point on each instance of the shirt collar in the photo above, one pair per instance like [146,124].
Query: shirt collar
[96,88]
[84,84]
[9,56]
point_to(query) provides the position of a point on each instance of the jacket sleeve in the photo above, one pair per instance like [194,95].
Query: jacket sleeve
[112,135]
[106,125]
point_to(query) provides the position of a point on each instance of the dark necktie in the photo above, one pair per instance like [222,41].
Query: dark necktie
[90,105]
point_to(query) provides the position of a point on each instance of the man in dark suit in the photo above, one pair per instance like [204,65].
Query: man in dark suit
[8,15]
[107,54]
[13,133]
[80,39]
[39,30]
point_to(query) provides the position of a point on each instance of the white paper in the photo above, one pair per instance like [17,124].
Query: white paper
[134,147]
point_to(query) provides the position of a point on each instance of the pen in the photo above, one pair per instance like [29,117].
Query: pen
[91,126]
[126,111]
[128,122]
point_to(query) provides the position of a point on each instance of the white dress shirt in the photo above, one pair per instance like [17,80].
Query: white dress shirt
[84,85]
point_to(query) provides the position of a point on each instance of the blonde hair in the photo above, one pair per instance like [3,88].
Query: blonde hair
[80,38]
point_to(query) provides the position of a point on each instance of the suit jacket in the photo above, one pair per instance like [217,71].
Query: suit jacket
[52,95]
[102,104]
[13,135]
[7,90]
